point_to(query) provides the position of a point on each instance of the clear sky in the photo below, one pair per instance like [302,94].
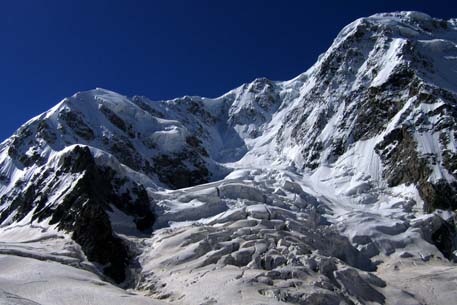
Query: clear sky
[164,49]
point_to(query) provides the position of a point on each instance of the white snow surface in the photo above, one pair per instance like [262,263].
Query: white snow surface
[266,228]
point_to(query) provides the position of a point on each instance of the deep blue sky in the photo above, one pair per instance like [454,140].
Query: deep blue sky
[164,49]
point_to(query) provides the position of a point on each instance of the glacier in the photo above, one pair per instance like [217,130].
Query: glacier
[335,187]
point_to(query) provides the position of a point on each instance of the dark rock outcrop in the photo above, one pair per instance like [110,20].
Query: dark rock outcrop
[82,209]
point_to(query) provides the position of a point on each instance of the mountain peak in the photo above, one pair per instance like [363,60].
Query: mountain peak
[289,191]
[403,15]
[406,24]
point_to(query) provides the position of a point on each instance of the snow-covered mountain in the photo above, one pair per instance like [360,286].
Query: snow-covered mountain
[335,187]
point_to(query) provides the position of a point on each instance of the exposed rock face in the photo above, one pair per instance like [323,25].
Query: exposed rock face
[173,171]
[403,165]
[445,239]
[439,195]
[288,189]
[380,82]
[81,207]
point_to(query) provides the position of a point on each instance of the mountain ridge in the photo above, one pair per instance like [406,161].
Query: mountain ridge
[323,177]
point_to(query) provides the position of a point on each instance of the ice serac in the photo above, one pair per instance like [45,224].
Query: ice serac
[316,190]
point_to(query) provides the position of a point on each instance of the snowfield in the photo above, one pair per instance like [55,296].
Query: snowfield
[337,187]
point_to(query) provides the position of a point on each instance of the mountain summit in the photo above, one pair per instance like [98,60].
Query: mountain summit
[336,187]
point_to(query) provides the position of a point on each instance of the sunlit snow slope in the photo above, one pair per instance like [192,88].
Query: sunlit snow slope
[318,190]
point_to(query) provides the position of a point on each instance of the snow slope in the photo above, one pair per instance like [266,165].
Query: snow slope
[316,190]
